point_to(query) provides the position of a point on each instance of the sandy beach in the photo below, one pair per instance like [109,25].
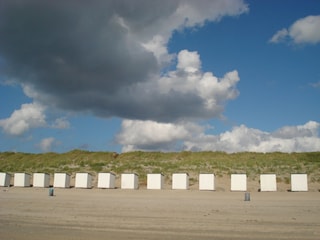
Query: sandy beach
[30,213]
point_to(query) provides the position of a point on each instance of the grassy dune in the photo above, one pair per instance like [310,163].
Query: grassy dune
[220,163]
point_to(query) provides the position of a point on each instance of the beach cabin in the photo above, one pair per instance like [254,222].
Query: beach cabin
[180,181]
[21,180]
[129,181]
[206,181]
[268,183]
[61,180]
[83,180]
[5,179]
[106,180]
[299,182]
[155,181]
[238,182]
[41,180]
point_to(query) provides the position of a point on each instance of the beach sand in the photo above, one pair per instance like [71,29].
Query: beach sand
[30,213]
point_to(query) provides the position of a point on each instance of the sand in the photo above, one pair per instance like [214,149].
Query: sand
[30,213]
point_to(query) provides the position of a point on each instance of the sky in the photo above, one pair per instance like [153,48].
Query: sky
[161,75]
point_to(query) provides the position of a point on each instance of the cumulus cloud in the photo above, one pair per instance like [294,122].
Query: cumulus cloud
[303,31]
[188,92]
[30,115]
[302,138]
[101,57]
[46,144]
[189,136]
[151,135]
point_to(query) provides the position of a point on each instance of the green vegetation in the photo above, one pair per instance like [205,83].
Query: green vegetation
[143,163]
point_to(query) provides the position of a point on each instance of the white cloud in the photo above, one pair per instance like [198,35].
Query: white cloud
[302,138]
[303,31]
[315,84]
[306,30]
[61,123]
[30,115]
[189,79]
[158,46]
[280,36]
[144,135]
[140,135]
[188,61]
[310,129]
[46,144]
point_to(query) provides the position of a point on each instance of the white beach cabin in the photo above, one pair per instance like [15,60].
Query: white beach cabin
[61,180]
[129,181]
[83,180]
[268,183]
[180,181]
[238,182]
[5,179]
[299,182]
[206,181]
[155,181]
[41,180]
[21,180]
[106,180]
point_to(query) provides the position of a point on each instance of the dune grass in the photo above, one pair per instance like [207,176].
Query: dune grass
[142,163]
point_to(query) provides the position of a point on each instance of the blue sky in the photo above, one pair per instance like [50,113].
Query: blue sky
[160,76]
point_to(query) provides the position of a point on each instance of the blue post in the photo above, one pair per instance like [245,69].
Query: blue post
[247,196]
[51,191]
